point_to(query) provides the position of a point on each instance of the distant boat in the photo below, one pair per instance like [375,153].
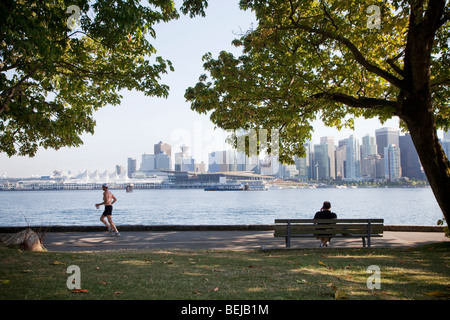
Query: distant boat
[225,187]
[247,186]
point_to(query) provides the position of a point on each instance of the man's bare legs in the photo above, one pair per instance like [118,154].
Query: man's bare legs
[111,223]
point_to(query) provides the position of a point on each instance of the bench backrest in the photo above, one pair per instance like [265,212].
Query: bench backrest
[316,227]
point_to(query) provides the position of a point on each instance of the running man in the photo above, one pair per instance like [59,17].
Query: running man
[108,200]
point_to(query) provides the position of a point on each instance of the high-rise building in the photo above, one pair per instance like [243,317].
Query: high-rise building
[368,146]
[392,162]
[353,159]
[321,162]
[120,169]
[183,161]
[329,141]
[410,162]
[340,156]
[162,161]
[132,165]
[147,163]
[162,147]
[369,166]
[217,161]
[386,137]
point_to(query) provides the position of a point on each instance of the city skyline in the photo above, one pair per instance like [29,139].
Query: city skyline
[131,129]
[351,158]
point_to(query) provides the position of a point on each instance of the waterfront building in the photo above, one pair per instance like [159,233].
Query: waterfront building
[321,162]
[217,161]
[368,146]
[340,156]
[370,167]
[410,163]
[132,165]
[392,162]
[162,161]
[183,161]
[147,163]
[385,137]
[353,159]
[329,141]
[162,147]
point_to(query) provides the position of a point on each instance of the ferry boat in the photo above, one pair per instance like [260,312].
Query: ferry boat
[242,186]
[225,187]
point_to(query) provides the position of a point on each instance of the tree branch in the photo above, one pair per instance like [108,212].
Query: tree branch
[362,103]
[353,49]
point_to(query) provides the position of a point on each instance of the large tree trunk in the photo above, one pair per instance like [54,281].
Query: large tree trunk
[435,163]
[415,104]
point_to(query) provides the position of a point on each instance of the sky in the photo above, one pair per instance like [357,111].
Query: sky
[132,129]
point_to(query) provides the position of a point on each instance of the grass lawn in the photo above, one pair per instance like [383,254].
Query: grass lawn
[411,274]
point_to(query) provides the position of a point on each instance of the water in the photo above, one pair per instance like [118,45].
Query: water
[397,206]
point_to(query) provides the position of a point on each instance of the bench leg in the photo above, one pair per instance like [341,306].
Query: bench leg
[288,242]
[364,242]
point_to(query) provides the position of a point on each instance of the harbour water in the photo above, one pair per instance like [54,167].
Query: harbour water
[397,206]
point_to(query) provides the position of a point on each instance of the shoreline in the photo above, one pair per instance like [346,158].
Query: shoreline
[253,227]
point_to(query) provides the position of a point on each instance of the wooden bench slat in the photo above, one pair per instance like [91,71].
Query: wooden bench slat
[294,231]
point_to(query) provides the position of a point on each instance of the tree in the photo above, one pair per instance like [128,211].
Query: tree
[337,60]
[62,60]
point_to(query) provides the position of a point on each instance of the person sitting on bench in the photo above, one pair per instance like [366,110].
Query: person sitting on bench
[325,213]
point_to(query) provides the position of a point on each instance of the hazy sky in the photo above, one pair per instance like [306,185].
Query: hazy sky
[131,129]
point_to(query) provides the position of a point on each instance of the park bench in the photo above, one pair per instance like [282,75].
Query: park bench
[334,228]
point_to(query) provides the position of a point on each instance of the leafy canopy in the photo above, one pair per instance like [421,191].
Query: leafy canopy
[316,59]
[60,60]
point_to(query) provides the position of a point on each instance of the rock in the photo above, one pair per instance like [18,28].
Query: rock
[26,239]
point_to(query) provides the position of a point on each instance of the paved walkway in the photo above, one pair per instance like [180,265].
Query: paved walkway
[223,240]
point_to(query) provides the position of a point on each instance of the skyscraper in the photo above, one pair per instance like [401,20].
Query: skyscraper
[410,162]
[340,156]
[353,159]
[131,167]
[386,137]
[331,157]
[162,147]
[321,162]
[392,162]
[368,146]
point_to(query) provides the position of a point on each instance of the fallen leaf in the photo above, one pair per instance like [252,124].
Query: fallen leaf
[196,292]
[438,294]
[215,289]
[118,292]
[79,290]
[57,262]
[102,282]
[339,294]
[322,264]
[302,281]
